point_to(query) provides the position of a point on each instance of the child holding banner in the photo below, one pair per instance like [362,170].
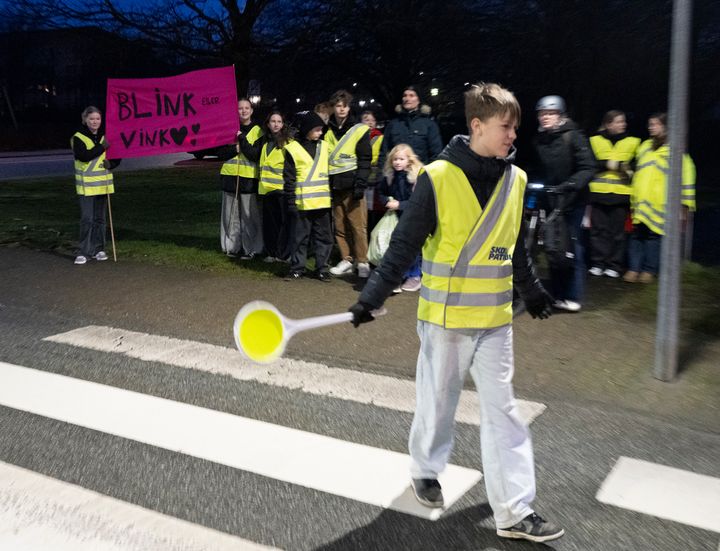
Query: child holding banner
[241,220]
[307,192]
[93,184]
[268,152]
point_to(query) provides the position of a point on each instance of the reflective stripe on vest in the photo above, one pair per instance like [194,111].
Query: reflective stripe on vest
[342,155]
[271,170]
[649,188]
[376,144]
[467,262]
[312,188]
[612,181]
[240,165]
[92,178]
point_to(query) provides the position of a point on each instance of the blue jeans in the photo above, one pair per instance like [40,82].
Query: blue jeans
[644,250]
[415,270]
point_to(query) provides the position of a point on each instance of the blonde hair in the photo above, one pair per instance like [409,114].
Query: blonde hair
[486,100]
[414,164]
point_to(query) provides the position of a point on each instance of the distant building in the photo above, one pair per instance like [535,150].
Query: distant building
[49,73]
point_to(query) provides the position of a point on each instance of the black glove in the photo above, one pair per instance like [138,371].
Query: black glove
[362,313]
[358,193]
[539,303]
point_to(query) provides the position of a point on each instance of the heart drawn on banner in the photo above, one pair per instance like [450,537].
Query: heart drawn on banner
[195,128]
[178,134]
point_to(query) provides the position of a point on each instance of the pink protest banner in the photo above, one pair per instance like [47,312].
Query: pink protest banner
[188,112]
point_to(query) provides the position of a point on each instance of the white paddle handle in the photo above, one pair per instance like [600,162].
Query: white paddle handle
[295,326]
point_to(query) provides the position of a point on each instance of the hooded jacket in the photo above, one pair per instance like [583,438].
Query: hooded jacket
[416,129]
[420,220]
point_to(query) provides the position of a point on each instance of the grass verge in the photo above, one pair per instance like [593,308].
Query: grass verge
[164,216]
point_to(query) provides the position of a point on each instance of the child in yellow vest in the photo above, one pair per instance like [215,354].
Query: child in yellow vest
[93,184]
[466,213]
[307,192]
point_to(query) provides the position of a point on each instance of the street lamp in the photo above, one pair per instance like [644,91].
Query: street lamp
[255,100]
[434,91]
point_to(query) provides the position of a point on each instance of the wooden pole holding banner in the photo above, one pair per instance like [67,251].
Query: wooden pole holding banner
[112,232]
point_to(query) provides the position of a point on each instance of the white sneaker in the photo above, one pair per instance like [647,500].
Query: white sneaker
[567,305]
[343,267]
[397,290]
[611,273]
[596,271]
[412,284]
[269,259]
[80,259]
[101,256]
[363,270]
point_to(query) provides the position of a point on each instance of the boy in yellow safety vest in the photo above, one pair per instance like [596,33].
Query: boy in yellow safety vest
[466,214]
[307,191]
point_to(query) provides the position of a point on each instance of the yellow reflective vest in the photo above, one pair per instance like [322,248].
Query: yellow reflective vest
[240,165]
[343,157]
[376,144]
[467,263]
[650,183]
[613,181]
[312,186]
[92,178]
[271,169]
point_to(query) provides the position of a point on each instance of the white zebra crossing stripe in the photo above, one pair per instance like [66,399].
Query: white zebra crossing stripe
[40,513]
[362,473]
[313,378]
[664,492]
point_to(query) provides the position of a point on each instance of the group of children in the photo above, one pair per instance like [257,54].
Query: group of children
[291,192]
[631,184]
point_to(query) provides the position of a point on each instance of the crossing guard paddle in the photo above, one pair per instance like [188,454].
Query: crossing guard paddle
[261,332]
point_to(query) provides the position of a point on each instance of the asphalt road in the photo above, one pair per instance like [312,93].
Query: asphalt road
[38,164]
[578,440]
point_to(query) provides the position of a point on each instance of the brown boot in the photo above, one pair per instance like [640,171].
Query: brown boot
[631,277]
[646,277]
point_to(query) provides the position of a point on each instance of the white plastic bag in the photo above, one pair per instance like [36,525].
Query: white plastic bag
[380,237]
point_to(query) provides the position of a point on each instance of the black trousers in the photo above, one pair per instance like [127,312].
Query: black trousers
[275,226]
[307,226]
[607,236]
[92,224]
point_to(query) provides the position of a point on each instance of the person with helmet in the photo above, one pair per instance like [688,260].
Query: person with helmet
[569,165]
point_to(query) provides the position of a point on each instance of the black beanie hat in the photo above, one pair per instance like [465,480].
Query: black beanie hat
[309,121]
[414,89]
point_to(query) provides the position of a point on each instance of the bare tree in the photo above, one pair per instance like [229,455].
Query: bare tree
[219,31]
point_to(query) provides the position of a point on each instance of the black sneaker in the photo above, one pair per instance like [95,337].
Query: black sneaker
[532,528]
[293,276]
[428,492]
[324,276]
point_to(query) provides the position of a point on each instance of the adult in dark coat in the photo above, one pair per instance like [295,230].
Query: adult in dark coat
[412,126]
[569,165]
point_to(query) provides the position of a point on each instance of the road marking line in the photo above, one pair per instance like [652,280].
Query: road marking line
[43,514]
[664,492]
[313,378]
[362,473]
